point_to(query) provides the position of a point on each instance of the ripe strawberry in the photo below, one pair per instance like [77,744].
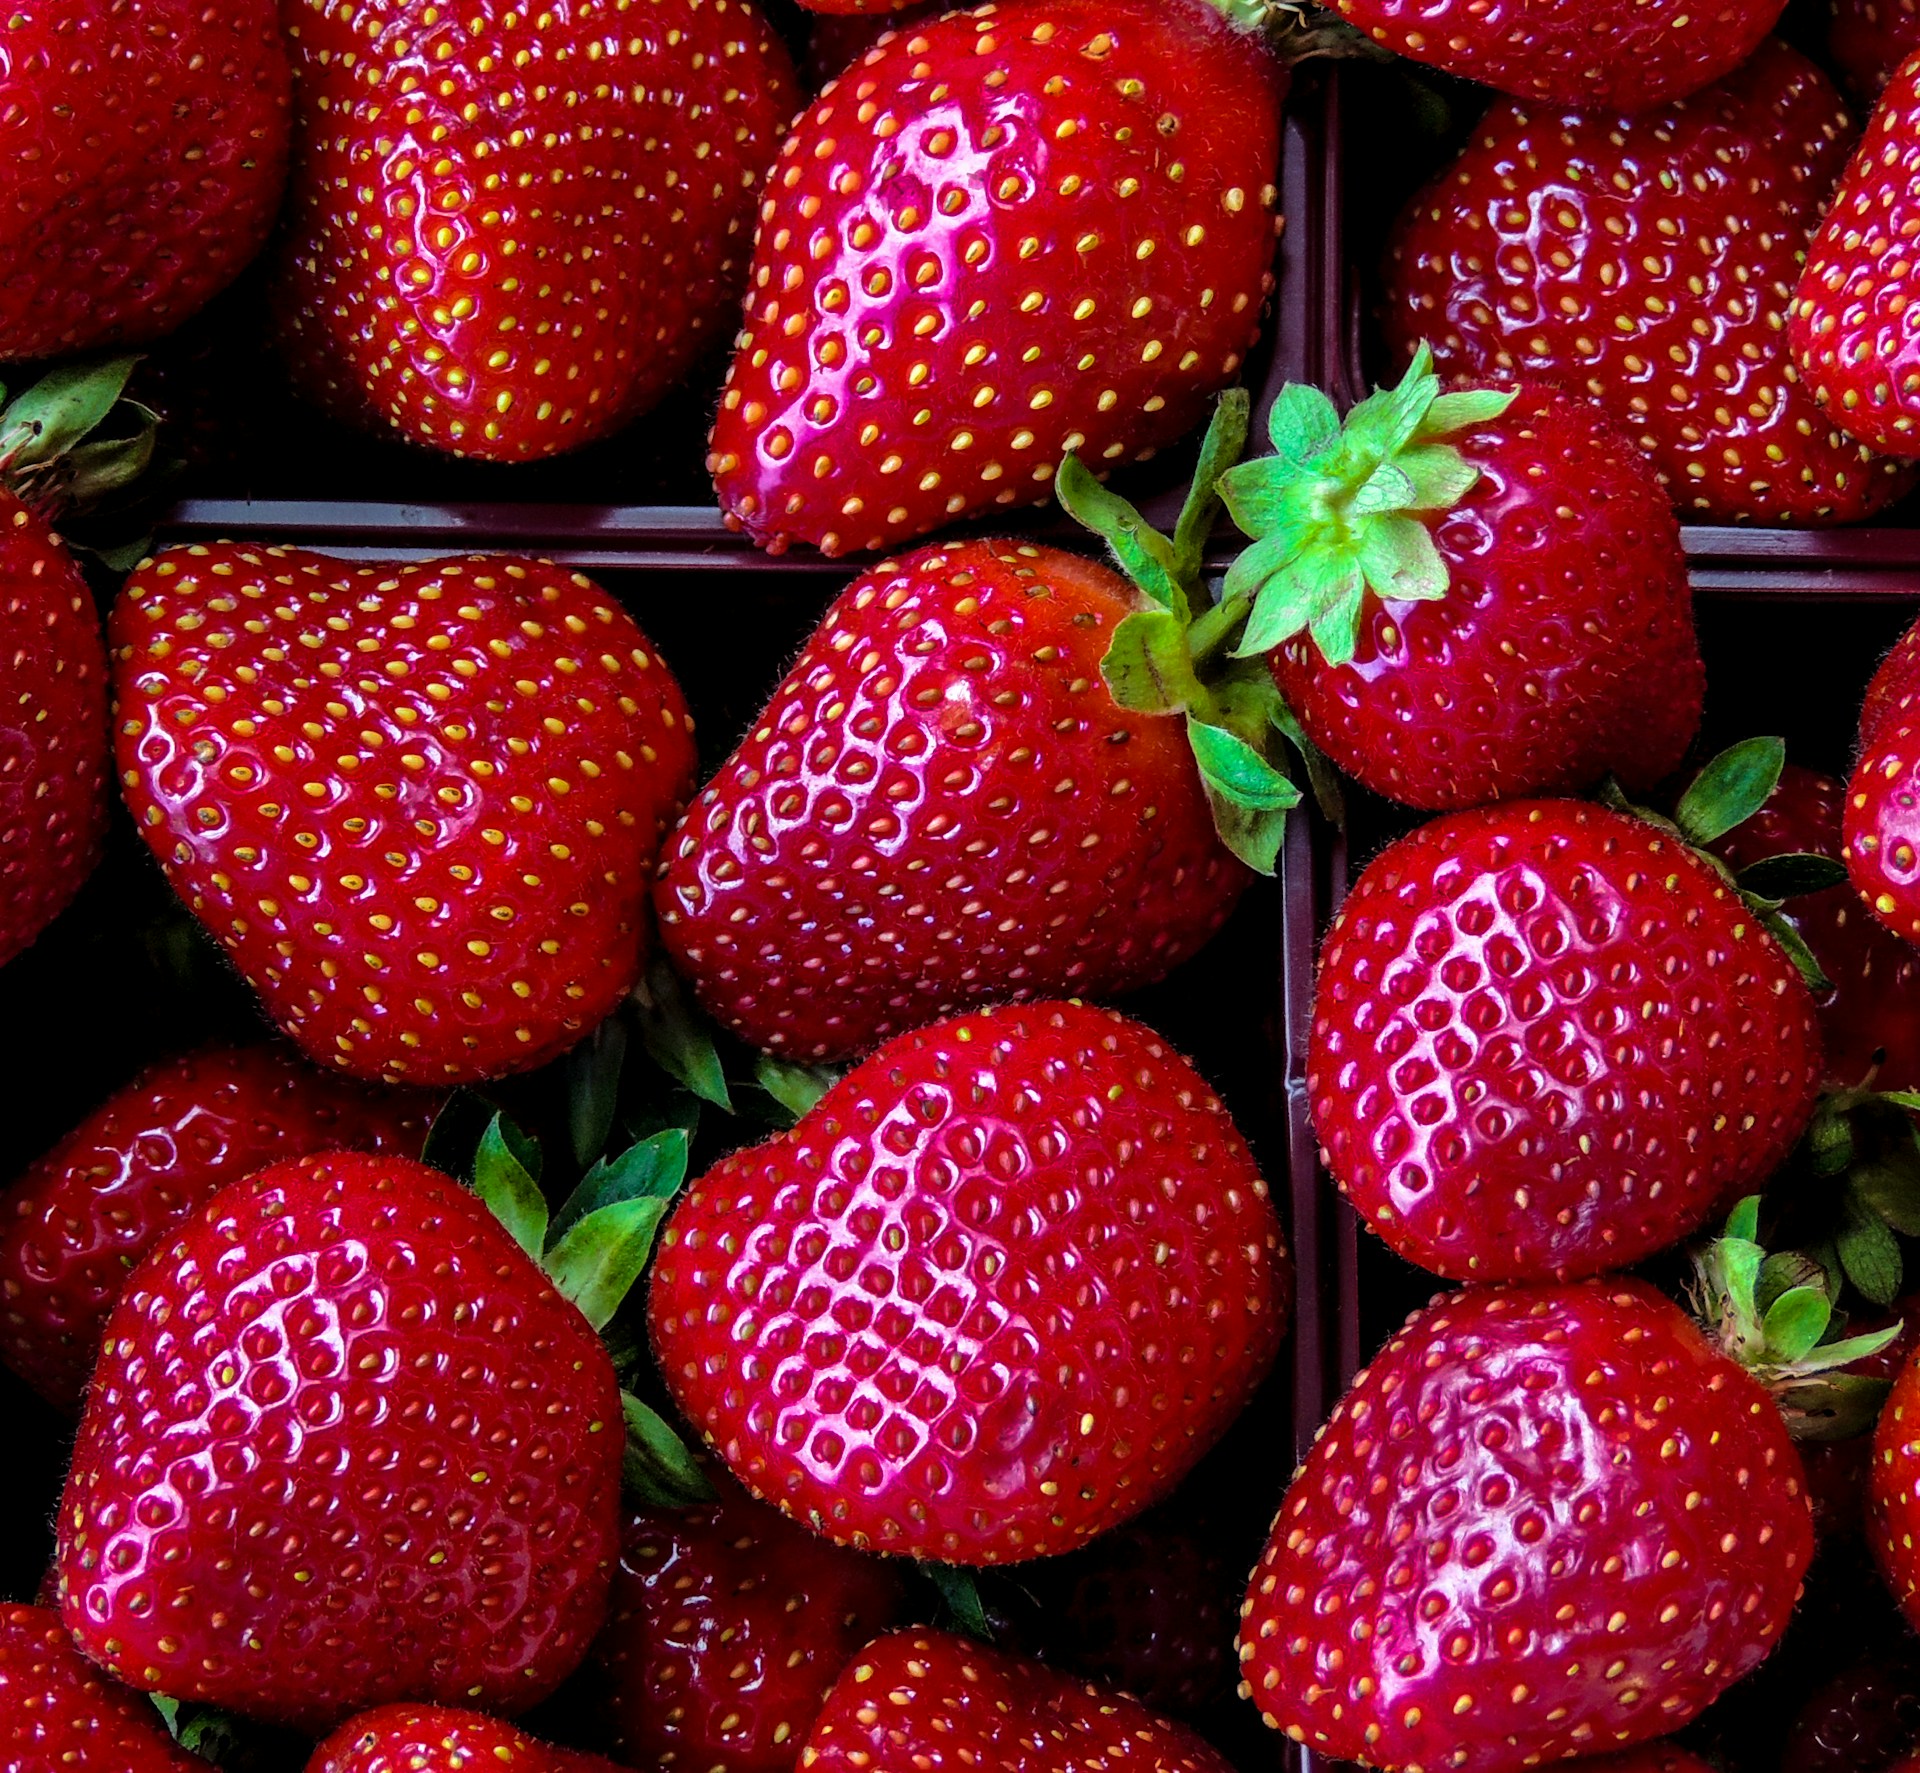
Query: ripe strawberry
[85,1214]
[1852,339]
[437,1739]
[1647,262]
[1594,53]
[347,1365]
[726,1628]
[59,1714]
[1468,596]
[926,1699]
[838,39]
[1891,691]
[515,229]
[1007,236]
[1549,1039]
[1870,1018]
[1893,1497]
[943,805]
[1882,825]
[1869,39]
[147,148]
[1545,1521]
[996,1293]
[418,804]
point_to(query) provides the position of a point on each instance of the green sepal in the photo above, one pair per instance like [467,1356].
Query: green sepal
[1730,789]
[959,1593]
[202,1730]
[1868,1252]
[506,1175]
[1224,444]
[1790,876]
[796,1088]
[676,1037]
[1148,668]
[454,1134]
[1144,554]
[1249,797]
[125,557]
[1833,1407]
[1322,777]
[1796,949]
[657,1468]
[1908,1099]
[594,1069]
[60,410]
[169,1710]
[652,1169]
[597,1260]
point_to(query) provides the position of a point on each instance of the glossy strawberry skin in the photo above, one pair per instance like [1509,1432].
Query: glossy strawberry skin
[53,728]
[513,230]
[1868,39]
[838,39]
[118,231]
[351,1340]
[419,805]
[1549,1040]
[438,1739]
[928,1700]
[943,806]
[867,1357]
[59,1714]
[81,1217]
[1893,1492]
[1565,246]
[1545,1520]
[1001,238]
[1563,650]
[726,1628]
[1870,1020]
[1595,54]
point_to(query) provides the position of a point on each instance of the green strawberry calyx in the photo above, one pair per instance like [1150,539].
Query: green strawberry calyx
[1774,1314]
[1856,1185]
[1343,510]
[1171,657]
[72,441]
[1302,32]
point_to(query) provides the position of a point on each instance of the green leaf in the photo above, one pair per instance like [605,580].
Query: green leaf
[1858,1348]
[1731,789]
[1223,446]
[1306,593]
[652,1168]
[597,1260]
[1303,423]
[1322,777]
[1888,1186]
[1908,1099]
[60,409]
[1390,418]
[658,1468]
[1388,488]
[1148,668]
[1795,1322]
[126,556]
[1833,1407]
[1869,1253]
[506,1172]
[1743,1223]
[960,1595]
[169,1710]
[1788,876]
[1439,477]
[1231,767]
[1337,632]
[454,1136]
[1451,413]
[593,1088]
[1797,951]
[1399,559]
[676,1037]
[1144,554]
[95,470]
[795,1087]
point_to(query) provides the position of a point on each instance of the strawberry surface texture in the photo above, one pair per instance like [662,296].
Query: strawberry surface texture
[514,229]
[1545,1521]
[438,1739]
[1041,228]
[345,1366]
[994,1294]
[418,805]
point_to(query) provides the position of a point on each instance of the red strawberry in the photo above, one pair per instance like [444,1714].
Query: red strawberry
[347,1366]
[514,229]
[943,805]
[1893,1512]
[59,1714]
[1472,595]
[147,148]
[1545,1521]
[1868,39]
[1891,691]
[995,1294]
[726,1628]
[86,1213]
[848,8]
[418,804]
[840,38]
[1571,52]
[1852,337]
[1005,237]
[1882,825]
[436,1739]
[1647,262]
[928,1700]
[1549,1039]
[1870,1020]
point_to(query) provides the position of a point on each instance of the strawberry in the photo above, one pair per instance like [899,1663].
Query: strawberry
[1855,346]
[1595,53]
[85,1214]
[944,805]
[347,1364]
[1870,1018]
[418,804]
[995,1294]
[1882,822]
[1548,1039]
[1007,236]
[437,1739]
[838,39]
[148,148]
[59,1714]
[726,1629]
[1547,1520]
[512,229]
[925,1699]
[1647,262]
[1893,1494]
[1468,596]
[1868,39]
[1890,691]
